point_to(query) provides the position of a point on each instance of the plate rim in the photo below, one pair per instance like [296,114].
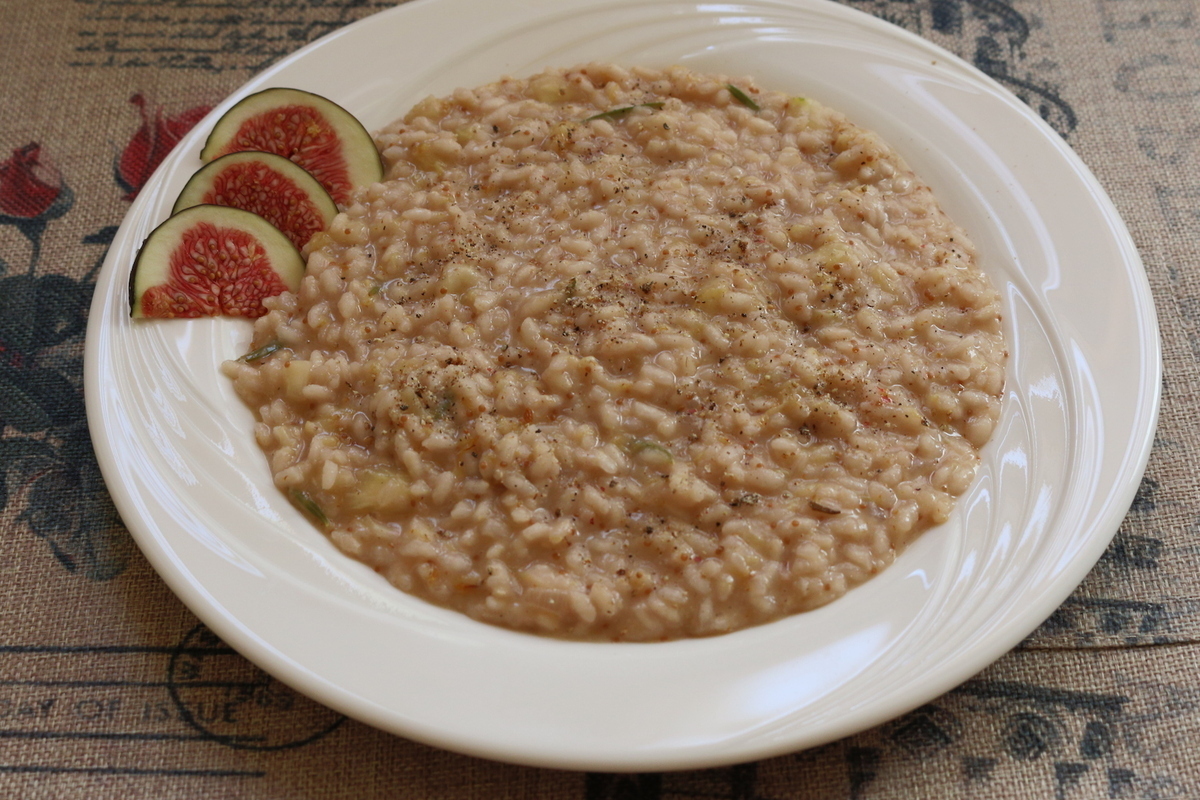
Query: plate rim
[229,628]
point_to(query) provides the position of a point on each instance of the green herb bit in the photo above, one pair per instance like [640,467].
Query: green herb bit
[260,353]
[645,445]
[445,406]
[308,506]
[616,113]
[742,97]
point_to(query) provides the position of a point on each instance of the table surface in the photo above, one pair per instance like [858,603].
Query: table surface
[109,687]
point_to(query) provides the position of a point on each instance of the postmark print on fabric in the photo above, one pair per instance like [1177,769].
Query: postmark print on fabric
[230,701]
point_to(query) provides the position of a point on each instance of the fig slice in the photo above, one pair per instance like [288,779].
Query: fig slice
[276,189]
[212,260]
[310,130]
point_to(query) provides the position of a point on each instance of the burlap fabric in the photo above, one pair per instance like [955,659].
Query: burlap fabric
[110,688]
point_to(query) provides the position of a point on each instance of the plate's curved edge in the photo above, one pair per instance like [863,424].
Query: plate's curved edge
[1137,456]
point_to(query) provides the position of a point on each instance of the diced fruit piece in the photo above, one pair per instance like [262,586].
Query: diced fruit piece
[380,489]
[310,130]
[457,278]
[266,184]
[212,260]
[713,291]
[295,373]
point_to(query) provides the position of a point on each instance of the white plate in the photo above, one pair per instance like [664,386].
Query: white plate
[176,449]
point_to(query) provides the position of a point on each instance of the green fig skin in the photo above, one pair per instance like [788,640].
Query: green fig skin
[271,186]
[212,260]
[306,128]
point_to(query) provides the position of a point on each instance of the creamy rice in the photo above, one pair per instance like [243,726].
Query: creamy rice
[611,354]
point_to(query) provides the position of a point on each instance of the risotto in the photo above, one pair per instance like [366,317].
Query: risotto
[628,354]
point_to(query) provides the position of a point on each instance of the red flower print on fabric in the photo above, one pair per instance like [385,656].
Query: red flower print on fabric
[29,184]
[32,192]
[151,143]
